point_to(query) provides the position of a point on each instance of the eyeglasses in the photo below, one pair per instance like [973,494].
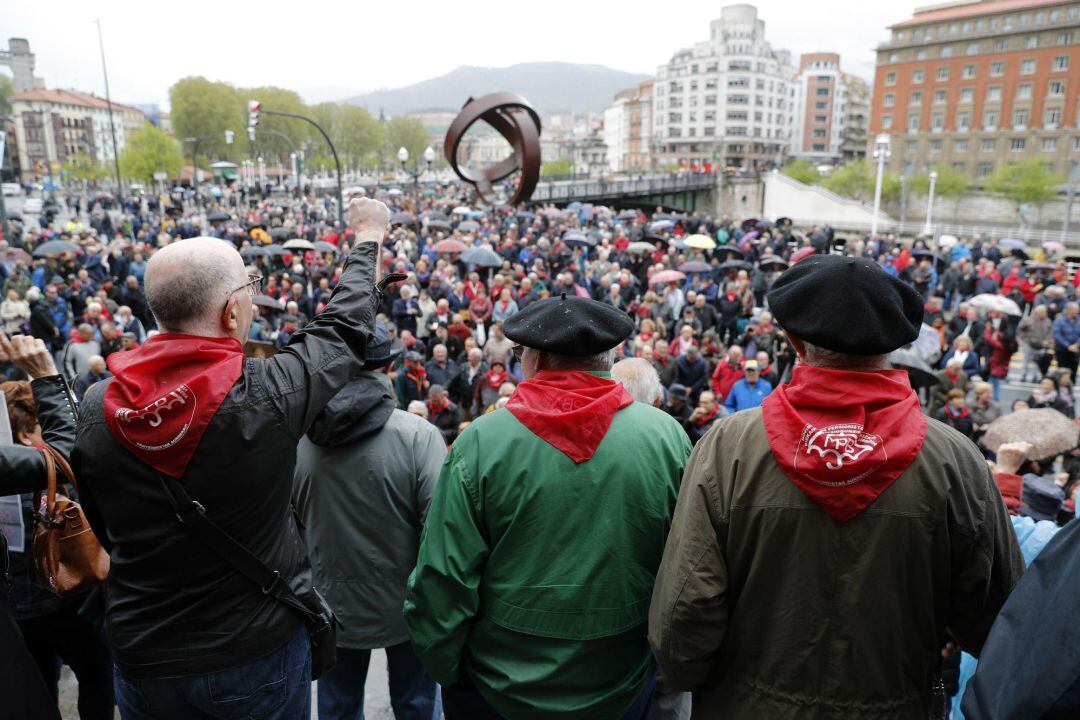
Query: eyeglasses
[253,286]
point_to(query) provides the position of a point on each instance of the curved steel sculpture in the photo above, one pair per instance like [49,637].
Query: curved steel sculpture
[514,118]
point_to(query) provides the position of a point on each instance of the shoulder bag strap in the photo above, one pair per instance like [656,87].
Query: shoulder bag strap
[193,515]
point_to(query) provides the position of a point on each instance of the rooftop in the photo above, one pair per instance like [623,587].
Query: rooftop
[68,97]
[964,10]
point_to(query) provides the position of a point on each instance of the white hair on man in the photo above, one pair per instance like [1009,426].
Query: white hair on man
[640,380]
[416,407]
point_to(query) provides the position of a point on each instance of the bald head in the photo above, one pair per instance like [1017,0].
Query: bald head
[188,283]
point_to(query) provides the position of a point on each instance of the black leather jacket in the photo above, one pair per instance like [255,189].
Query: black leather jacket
[22,469]
[174,608]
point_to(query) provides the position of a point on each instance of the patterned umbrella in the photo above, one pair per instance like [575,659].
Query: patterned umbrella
[1049,432]
[695,266]
[666,276]
[449,246]
[996,303]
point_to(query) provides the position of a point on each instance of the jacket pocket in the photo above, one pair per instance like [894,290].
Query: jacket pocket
[250,692]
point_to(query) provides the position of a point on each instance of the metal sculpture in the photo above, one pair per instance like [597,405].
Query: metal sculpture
[514,118]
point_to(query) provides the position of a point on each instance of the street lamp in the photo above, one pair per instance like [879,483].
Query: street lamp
[881,154]
[929,228]
[415,173]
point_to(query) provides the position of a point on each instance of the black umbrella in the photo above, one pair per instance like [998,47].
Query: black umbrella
[55,247]
[436,215]
[730,250]
[577,239]
[482,257]
[780,221]
[324,247]
[280,233]
[265,301]
[468,226]
[438,225]
[12,215]
[762,225]
[748,224]
[1018,253]
[919,373]
[402,218]
[775,263]
[734,265]
[218,217]
[254,251]
[695,266]
[276,250]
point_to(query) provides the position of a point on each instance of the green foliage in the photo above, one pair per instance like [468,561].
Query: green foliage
[951,184]
[202,108]
[1027,183]
[857,180]
[85,169]
[803,171]
[557,167]
[7,89]
[149,150]
[409,133]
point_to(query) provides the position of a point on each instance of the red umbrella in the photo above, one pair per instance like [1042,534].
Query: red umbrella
[666,276]
[449,246]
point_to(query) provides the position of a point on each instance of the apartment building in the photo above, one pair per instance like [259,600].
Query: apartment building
[830,111]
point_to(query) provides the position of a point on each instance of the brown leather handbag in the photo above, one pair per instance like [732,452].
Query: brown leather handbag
[67,557]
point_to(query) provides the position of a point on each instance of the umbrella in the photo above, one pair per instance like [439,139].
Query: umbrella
[468,226]
[929,255]
[919,373]
[948,241]
[748,224]
[773,260]
[1041,266]
[695,266]
[325,247]
[731,251]
[217,217]
[253,252]
[438,225]
[265,301]
[449,245]
[482,257]
[1013,244]
[12,215]
[1048,431]
[661,225]
[394,192]
[578,239]
[436,215]
[55,247]
[763,225]
[461,210]
[700,242]
[640,248]
[996,303]
[526,215]
[781,220]
[298,244]
[402,218]
[276,250]
[666,276]
[1053,246]
[627,215]
[551,212]
[734,265]
[18,254]
[280,233]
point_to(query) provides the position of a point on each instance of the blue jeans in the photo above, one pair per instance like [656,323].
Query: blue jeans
[995,383]
[413,694]
[274,687]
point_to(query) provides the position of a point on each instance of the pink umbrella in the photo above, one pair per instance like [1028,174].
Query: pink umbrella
[449,246]
[1053,246]
[666,276]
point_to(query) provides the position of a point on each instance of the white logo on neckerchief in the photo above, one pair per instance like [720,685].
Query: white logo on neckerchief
[844,443]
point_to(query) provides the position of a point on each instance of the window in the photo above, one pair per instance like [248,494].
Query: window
[993,93]
[984,169]
[1023,92]
[935,146]
[1000,45]
[1018,144]
[1076,143]
[890,78]
[894,57]
[918,76]
[911,147]
[1052,117]
[973,48]
[942,74]
[820,133]
[941,96]
[823,92]
[920,54]
[890,100]
[1027,67]
[825,105]
[1065,38]
[913,123]
[1032,42]
[946,51]
[819,147]
[1061,62]
[886,122]
[990,119]
[1056,87]
[1049,145]
[997,69]
[937,121]
[821,118]
[988,145]
[1020,118]
[969,72]
[960,146]
[963,121]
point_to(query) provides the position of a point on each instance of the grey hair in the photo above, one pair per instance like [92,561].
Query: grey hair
[598,362]
[639,378]
[824,358]
[179,299]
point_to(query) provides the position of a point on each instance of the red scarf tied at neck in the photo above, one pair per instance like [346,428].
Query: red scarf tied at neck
[166,392]
[570,410]
[843,437]
[496,379]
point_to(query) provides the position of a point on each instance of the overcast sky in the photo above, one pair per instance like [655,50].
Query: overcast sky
[330,50]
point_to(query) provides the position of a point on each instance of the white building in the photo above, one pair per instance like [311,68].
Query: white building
[831,108]
[628,129]
[727,101]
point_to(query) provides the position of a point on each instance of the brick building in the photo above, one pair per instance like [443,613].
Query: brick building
[976,85]
[831,111]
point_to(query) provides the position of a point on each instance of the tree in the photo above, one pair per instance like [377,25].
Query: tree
[858,179]
[408,133]
[202,108]
[1026,183]
[951,184]
[149,150]
[85,169]
[557,167]
[7,89]
[803,171]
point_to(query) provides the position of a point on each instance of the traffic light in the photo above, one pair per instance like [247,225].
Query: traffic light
[254,107]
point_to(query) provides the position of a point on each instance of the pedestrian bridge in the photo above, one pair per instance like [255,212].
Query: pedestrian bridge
[685,193]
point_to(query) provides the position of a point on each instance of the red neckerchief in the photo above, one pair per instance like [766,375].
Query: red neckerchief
[956,415]
[417,373]
[843,437]
[496,380]
[436,409]
[952,376]
[166,392]
[706,419]
[570,410]
[504,304]
[1012,491]
[662,359]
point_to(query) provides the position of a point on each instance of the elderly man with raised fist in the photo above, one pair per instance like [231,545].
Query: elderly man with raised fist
[185,462]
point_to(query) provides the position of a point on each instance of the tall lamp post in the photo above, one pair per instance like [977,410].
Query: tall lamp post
[416,172]
[255,107]
[881,154]
[928,229]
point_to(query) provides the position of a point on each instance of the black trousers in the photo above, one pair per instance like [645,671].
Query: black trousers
[22,693]
[68,636]
[1067,360]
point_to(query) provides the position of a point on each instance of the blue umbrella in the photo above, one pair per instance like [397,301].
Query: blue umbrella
[1012,244]
[482,257]
[576,239]
[661,225]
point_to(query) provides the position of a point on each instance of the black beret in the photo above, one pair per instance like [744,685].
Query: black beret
[570,326]
[846,304]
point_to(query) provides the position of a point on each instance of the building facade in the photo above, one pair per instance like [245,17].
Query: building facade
[727,101]
[628,130]
[976,85]
[830,111]
[53,125]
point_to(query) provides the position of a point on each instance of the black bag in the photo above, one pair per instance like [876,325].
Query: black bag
[321,622]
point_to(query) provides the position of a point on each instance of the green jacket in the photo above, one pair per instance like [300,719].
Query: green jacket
[768,608]
[534,573]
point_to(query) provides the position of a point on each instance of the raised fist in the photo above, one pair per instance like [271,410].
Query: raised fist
[1010,456]
[369,219]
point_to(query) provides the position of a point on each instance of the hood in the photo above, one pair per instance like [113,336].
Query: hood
[361,408]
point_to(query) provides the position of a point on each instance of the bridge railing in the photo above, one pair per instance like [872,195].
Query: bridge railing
[585,189]
[1032,236]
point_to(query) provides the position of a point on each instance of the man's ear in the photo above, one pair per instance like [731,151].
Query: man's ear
[230,316]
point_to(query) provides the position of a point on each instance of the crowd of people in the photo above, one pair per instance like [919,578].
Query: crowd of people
[702,342]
